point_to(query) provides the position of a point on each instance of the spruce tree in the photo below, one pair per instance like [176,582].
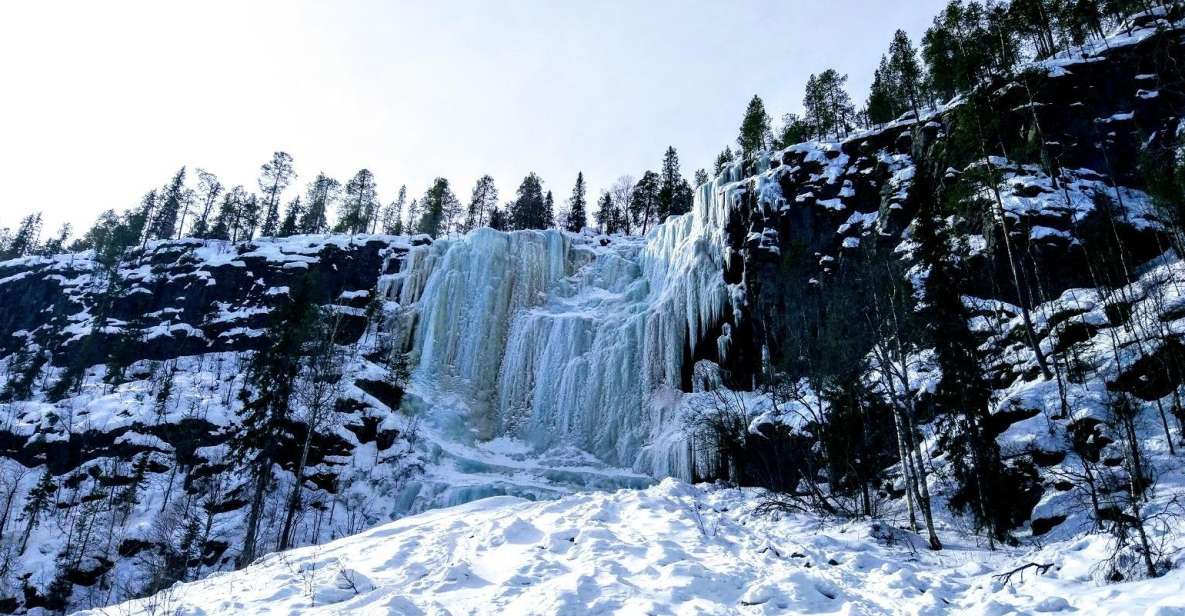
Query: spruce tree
[701,177]
[577,210]
[527,211]
[606,214]
[274,176]
[548,211]
[754,133]
[674,194]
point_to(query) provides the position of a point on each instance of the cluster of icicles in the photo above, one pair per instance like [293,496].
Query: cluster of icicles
[556,340]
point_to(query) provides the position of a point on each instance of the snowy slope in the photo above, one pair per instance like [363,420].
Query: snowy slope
[670,549]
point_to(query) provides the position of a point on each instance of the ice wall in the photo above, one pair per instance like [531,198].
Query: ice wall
[557,340]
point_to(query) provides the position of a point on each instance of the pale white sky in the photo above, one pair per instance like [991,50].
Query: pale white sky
[102,101]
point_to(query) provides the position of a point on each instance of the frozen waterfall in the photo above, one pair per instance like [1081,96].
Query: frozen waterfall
[556,340]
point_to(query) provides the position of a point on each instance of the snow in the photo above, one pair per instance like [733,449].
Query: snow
[670,549]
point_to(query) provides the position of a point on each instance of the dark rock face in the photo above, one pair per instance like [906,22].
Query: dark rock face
[189,296]
[1066,146]
[195,308]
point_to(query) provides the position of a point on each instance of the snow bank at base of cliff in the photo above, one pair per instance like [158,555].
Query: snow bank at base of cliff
[669,549]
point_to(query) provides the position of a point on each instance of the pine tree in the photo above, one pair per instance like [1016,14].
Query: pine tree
[249,211]
[39,500]
[435,204]
[392,219]
[358,203]
[723,160]
[498,220]
[138,219]
[644,200]
[274,176]
[906,72]
[577,212]
[548,210]
[413,216]
[881,106]
[164,223]
[208,191]
[606,214]
[828,107]
[794,131]
[528,210]
[754,134]
[58,243]
[290,225]
[321,194]
[25,240]
[674,194]
[701,177]
[267,405]
[482,202]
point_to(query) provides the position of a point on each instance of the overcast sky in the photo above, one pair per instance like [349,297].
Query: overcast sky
[102,101]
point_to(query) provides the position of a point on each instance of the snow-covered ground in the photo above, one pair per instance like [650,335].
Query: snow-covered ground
[673,548]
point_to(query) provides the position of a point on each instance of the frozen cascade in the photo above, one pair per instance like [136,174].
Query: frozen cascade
[558,341]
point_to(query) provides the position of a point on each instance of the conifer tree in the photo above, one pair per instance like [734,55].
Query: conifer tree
[482,202]
[39,500]
[290,225]
[754,134]
[701,177]
[267,404]
[548,210]
[208,191]
[321,194]
[906,72]
[882,105]
[392,222]
[724,159]
[274,176]
[164,222]
[606,214]
[436,203]
[674,194]
[413,216]
[498,220]
[577,211]
[25,240]
[358,203]
[794,130]
[644,200]
[528,210]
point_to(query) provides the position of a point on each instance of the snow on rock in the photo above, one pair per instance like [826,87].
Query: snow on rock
[670,549]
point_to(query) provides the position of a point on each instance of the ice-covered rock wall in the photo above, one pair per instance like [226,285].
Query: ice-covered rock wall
[562,340]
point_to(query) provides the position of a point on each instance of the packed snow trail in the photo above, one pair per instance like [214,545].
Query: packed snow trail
[669,549]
